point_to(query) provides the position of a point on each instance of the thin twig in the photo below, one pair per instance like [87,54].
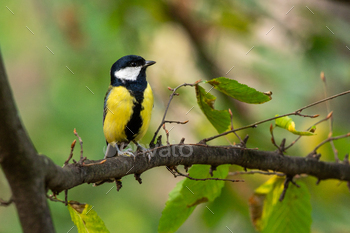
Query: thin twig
[297,113]
[167,135]
[292,143]
[171,170]
[323,100]
[159,141]
[66,197]
[81,144]
[282,145]
[254,125]
[167,108]
[92,164]
[232,128]
[182,141]
[335,151]
[203,179]
[255,172]
[212,169]
[289,179]
[53,197]
[177,122]
[71,153]
[274,141]
[138,178]
[118,183]
[328,140]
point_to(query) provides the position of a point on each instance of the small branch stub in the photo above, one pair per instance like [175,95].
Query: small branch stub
[118,183]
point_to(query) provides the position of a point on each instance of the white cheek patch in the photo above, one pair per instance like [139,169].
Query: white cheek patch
[128,73]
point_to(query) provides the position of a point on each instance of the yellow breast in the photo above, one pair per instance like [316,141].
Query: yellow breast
[119,111]
[146,112]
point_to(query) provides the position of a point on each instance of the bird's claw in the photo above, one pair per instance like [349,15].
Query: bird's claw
[127,153]
[143,150]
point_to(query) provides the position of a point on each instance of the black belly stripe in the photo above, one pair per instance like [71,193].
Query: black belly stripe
[134,125]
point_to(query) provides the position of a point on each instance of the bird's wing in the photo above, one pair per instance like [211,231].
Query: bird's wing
[105,106]
[105,103]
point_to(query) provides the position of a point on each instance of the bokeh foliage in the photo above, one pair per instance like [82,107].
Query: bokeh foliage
[190,40]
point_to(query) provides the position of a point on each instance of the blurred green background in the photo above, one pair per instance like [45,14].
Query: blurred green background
[277,46]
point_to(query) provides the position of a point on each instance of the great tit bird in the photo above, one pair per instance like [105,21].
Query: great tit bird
[127,105]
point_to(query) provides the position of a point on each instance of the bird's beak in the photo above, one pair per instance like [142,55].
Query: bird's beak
[149,63]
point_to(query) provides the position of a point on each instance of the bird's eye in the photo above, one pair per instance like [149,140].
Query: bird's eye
[133,64]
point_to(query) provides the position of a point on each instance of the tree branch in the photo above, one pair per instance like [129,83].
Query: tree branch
[59,179]
[21,165]
[152,144]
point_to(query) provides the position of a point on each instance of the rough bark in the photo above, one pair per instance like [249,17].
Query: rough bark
[19,161]
[75,174]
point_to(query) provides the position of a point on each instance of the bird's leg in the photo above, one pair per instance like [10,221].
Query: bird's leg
[124,145]
[111,150]
[139,147]
[127,152]
[117,150]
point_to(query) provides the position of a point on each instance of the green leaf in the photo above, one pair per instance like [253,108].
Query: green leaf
[188,194]
[288,124]
[220,119]
[220,207]
[239,91]
[270,215]
[85,218]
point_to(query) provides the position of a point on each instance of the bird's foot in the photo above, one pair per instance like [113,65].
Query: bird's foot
[127,152]
[144,151]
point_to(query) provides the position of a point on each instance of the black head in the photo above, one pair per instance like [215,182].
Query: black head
[129,68]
